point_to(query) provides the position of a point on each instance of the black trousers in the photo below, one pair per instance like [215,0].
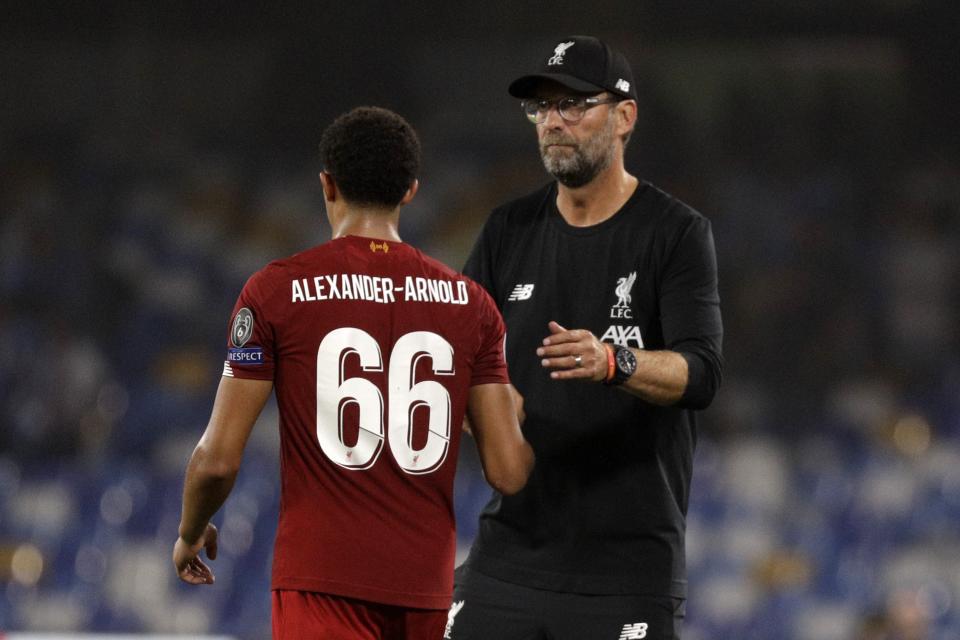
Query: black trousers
[485,608]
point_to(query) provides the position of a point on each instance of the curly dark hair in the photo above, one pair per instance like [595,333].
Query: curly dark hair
[372,154]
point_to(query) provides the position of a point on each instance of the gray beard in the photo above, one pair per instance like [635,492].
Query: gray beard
[576,170]
[585,163]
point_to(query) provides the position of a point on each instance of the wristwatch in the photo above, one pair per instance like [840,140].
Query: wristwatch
[625,363]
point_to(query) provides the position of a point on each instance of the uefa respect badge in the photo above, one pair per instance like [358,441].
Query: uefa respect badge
[240,334]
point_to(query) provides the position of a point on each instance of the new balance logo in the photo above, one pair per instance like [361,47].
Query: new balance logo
[521,292]
[454,610]
[635,631]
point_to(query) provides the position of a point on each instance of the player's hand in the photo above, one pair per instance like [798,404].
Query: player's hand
[561,348]
[186,557]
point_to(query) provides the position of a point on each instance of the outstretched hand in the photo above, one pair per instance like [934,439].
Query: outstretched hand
[186,558]
[573,354]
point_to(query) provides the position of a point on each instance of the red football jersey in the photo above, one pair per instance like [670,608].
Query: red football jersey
[372,347]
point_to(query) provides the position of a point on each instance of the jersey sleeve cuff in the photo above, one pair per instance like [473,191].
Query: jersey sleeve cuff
[245,373]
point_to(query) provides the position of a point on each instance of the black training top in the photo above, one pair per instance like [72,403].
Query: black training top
[604,510]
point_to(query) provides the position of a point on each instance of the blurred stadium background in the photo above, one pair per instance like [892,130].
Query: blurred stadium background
[152,156]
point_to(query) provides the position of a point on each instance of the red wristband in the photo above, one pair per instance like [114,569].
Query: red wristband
[611,363]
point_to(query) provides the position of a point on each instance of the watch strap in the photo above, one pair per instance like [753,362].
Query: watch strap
[611,364]
[619,374]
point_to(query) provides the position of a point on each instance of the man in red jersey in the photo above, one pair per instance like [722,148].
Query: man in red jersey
[376,352]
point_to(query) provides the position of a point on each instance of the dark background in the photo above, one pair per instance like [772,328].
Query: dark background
[152,156]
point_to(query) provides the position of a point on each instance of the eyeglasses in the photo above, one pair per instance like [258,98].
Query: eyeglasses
[570,109]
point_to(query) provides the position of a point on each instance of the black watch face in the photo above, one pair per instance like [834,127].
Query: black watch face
[626,361]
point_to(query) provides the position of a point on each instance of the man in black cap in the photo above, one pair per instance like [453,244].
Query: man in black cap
[593,546]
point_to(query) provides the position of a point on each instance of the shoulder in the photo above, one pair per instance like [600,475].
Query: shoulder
[479,294]
[670,211]
[432,267]
[479,301]
[518,210]
[265,281]
[308,258]
[436,269]
[482,309]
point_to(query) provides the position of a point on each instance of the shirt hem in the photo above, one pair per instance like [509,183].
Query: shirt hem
[507,571]
[365,592]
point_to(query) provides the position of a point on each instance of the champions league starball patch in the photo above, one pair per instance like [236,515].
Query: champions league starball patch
[242,327]
[240,333]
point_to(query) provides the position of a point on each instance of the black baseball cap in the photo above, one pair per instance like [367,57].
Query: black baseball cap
[584,64]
